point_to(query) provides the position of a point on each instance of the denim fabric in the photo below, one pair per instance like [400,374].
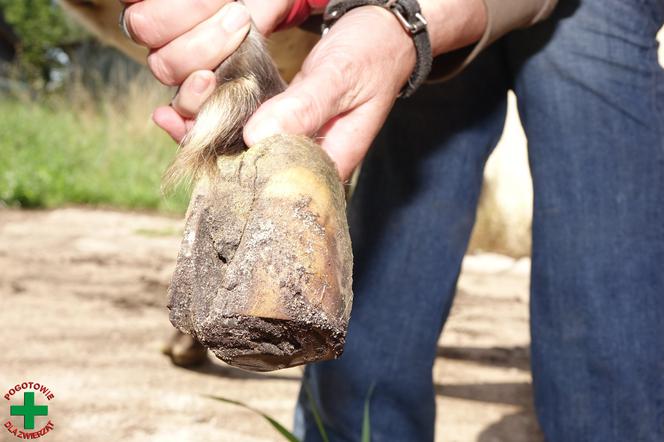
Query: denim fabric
[591,98]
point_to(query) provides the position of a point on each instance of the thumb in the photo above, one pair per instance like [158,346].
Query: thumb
[306,106]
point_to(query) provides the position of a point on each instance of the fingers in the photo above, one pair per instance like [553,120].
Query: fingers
[267,18]
[171,122]
[347,138]
[178,118]
[153,23]
[323,103]
[193,92]
[309,103]
[346,88]
[204,47]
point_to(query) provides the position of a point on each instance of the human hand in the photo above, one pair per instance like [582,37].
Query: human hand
[188,39]
[346,87]
[347,84]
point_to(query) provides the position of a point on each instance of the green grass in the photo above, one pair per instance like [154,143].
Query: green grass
[314,408]
[69,153]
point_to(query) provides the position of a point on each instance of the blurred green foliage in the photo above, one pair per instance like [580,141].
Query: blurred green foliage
[55,154]
[42,29]
[86,138]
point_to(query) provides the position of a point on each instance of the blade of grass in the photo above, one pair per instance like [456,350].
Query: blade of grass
[366,422]
[314,411]
[280,428]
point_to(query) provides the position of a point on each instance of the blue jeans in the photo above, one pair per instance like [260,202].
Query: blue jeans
[591,98]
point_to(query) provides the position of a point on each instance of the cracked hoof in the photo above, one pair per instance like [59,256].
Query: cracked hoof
[264,275]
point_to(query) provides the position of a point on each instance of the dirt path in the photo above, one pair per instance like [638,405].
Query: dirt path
[82,296]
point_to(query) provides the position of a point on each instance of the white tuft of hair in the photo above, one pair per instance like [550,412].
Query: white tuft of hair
[244,80]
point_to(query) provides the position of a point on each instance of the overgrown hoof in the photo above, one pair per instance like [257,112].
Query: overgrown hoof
[264,274]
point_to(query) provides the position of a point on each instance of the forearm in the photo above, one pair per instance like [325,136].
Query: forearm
[454,24]
[467,27]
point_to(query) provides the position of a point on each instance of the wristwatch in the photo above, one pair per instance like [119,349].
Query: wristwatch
[410,16]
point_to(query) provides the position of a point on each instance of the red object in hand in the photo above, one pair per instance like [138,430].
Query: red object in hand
[300,11]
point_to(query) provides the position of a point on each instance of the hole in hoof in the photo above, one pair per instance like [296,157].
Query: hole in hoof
[222,258]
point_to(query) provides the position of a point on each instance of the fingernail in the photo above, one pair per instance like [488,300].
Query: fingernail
[263,129]
[235,17]
[200,84]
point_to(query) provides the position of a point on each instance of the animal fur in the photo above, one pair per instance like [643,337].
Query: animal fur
[244,80]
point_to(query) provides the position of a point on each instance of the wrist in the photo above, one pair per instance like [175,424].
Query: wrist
[390,38]
[403,48]
[410,34]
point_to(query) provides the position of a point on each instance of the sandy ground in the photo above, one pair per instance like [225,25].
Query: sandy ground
[82,297]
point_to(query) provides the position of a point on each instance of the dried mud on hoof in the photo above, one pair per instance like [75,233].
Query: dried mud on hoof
[264,273]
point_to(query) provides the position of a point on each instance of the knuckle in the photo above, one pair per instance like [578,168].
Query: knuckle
[339,71]
[206,7]
[307,111]
[342,67]
[342,75]
[160,69]
[185,103]
[183,107]
[141,28]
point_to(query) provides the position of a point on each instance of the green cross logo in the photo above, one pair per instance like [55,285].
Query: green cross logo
[28,410]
